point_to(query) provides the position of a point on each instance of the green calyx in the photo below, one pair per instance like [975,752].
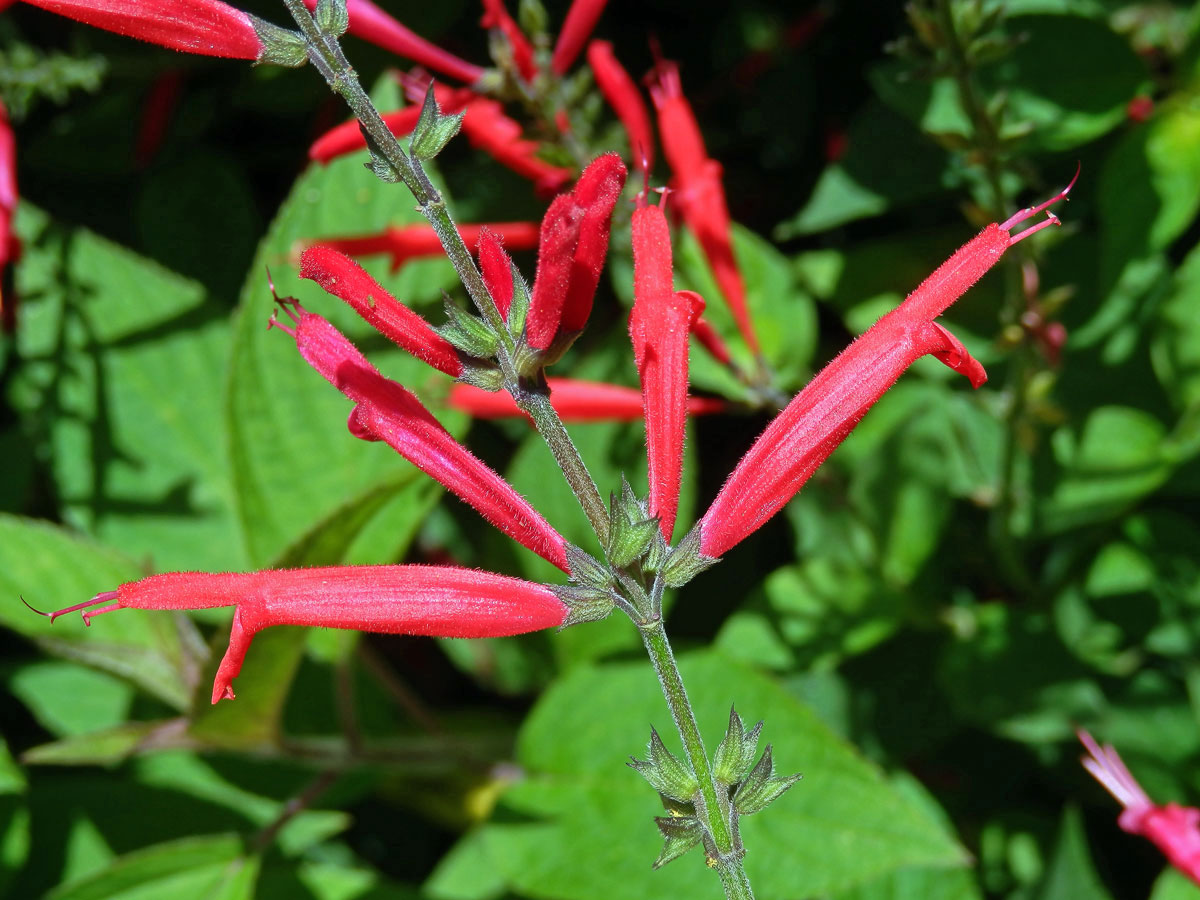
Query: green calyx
[468,333]
[434,130]
[280,46]
[632,530]
[332,17]
[665,772]
[685,561]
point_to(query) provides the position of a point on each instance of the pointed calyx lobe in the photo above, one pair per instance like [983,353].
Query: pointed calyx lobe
[440,601]
[820,417]
[659,326]
[386,411]
[571,252]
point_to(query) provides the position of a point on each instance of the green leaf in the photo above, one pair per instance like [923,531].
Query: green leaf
[1071,875]
[197,867]
[1116,460]
[104,747]
[53,690]
[294,462]
[1173,885]
[1175,344]
[843,826]
[135,431]
[51,567]
[888,163]
[1077,98]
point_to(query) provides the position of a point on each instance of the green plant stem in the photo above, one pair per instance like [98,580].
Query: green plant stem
[537,405]
[713,808]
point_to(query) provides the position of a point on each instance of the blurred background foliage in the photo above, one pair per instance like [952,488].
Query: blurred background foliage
[970,577]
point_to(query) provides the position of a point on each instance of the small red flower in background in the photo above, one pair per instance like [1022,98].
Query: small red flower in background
[820,417]
[624,97]
[573,400]
[372,24]
[699,193]
[406,242]
[495,15]
[577,28]
[205,27]
[441,601]
[10,246]
[1173,829]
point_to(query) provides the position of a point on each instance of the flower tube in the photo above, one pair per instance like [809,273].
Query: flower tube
[625,99]
[820,417]
[436,601]
[574,401]
[699,193]
[344,278]
[386,411]
[659,326]
[204,27]
[407,242]
[372,24]
[577,27]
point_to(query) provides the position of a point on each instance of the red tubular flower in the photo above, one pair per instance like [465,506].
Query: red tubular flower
[625,99]
[820,417]
[372,24]
[711,341]
[488,129]
[699,192]
[495,15]
[416,241]
[205,27]
[573,244]
[344,278]
[573,400]
[10,247]
[386,411]
[496,269]
[577,28]
[438,601]
[659,326]
[1173,829]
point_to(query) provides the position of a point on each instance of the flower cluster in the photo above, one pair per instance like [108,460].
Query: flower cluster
[523,330]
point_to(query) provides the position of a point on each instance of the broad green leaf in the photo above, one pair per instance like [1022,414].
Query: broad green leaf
[887,164]
[184,869]
[1175,345]
[294,462]
[1077,98]
[1116,460]
[105,747]
[917,884]
[69,700]
[14,818]
[40,561]
[841,826]
[125,363]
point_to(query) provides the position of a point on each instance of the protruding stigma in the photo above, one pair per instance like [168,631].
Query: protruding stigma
[1031,211]
[289,305]
[102,597]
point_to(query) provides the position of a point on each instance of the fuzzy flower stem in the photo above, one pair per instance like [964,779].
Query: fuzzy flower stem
[536,405]
[714,814]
